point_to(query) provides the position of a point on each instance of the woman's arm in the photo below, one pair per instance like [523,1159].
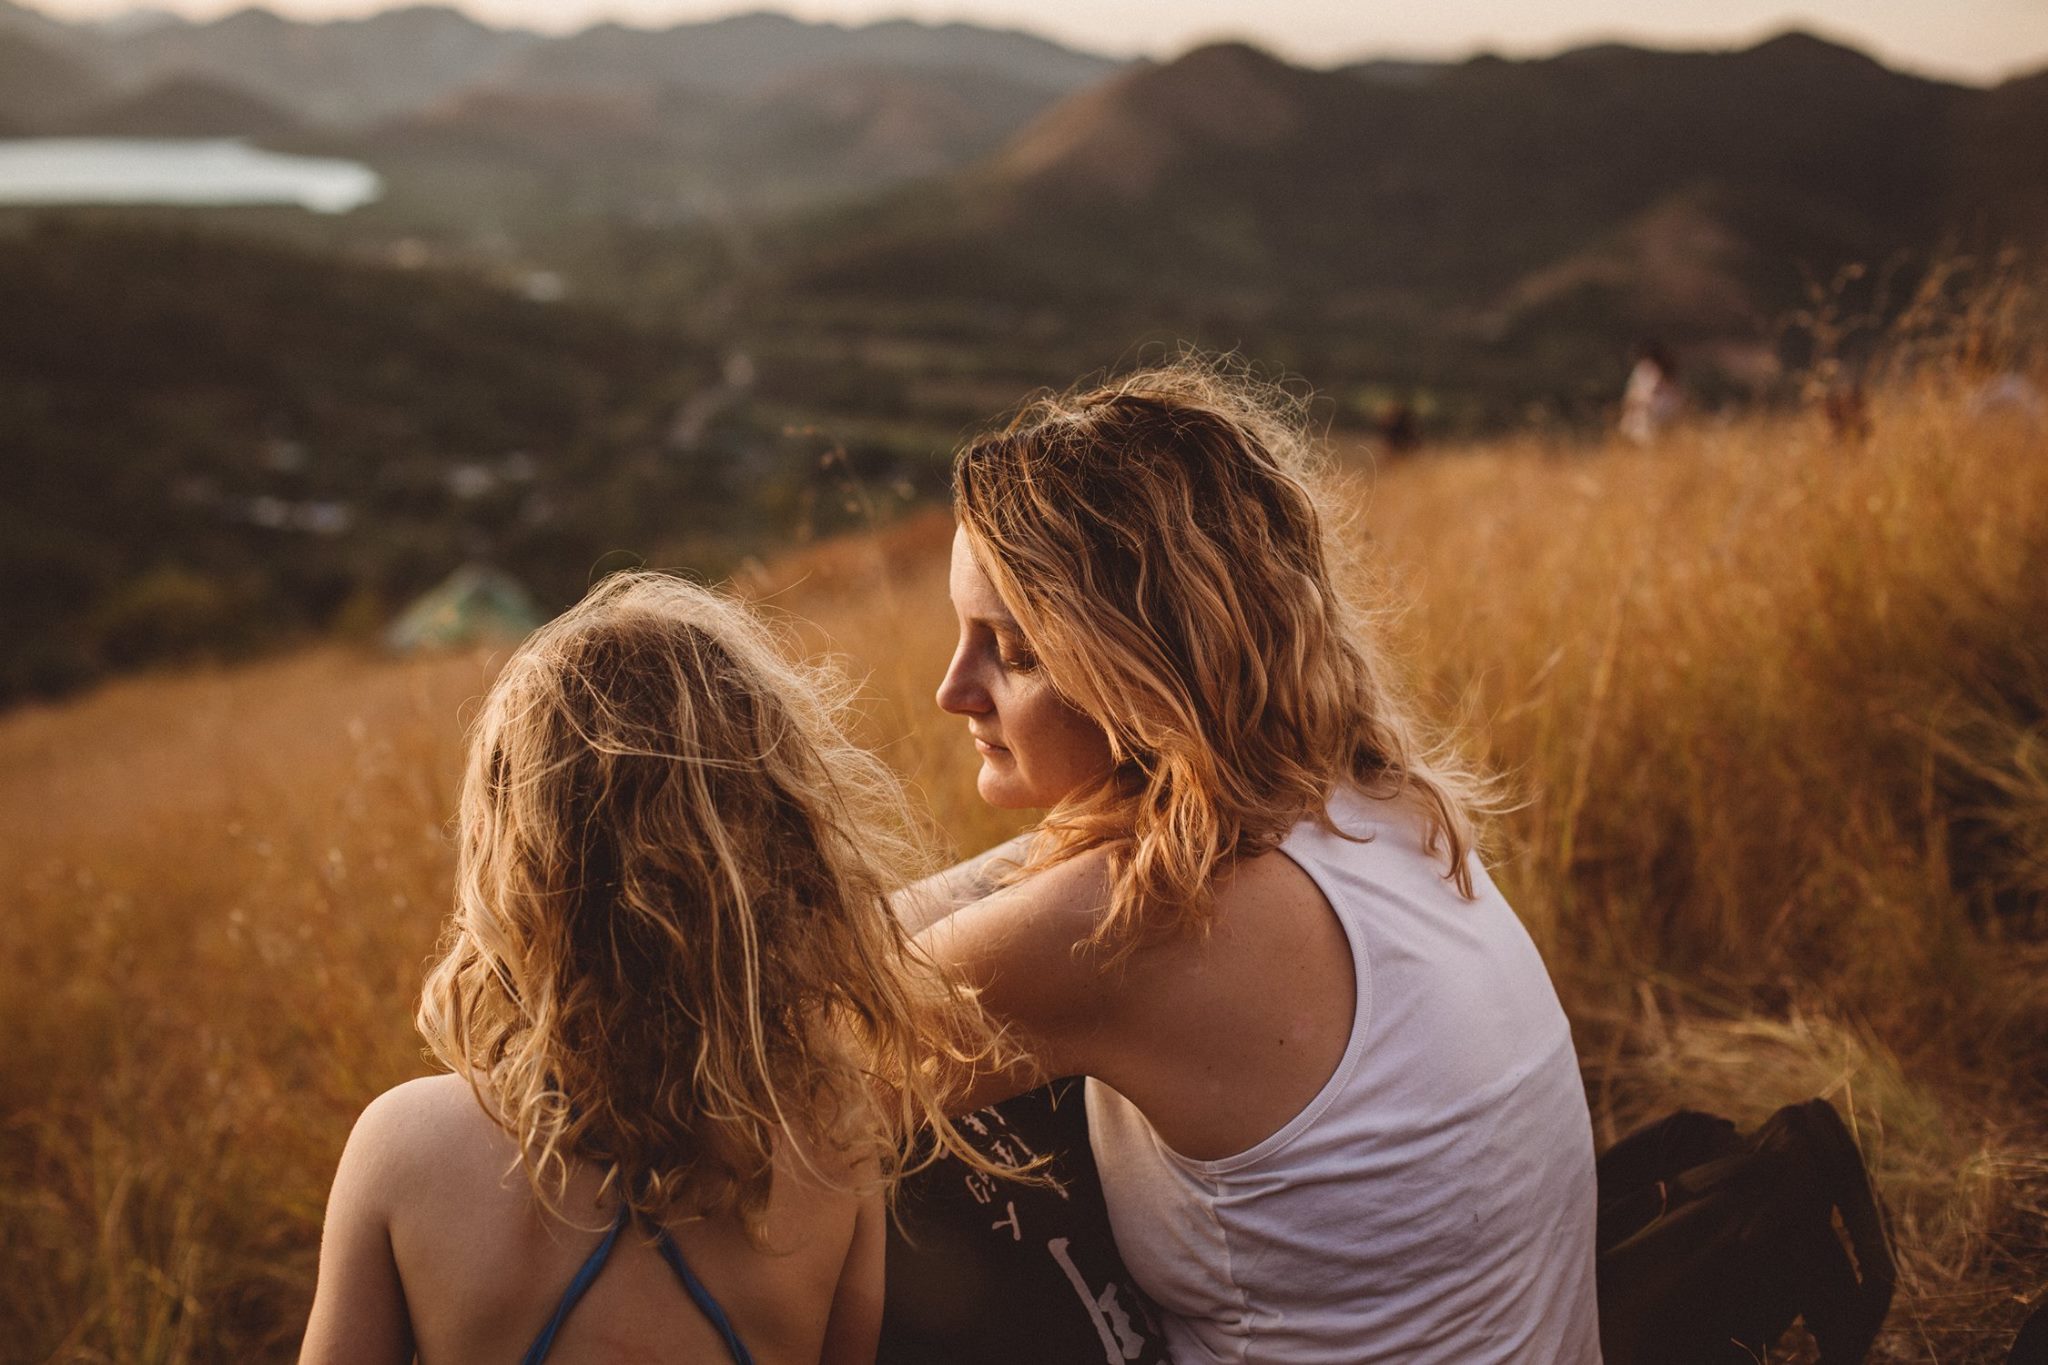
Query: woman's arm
[359,1315]
[1025,949]
[923,904]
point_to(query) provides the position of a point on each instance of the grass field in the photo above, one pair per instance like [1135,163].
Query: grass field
[1774,707]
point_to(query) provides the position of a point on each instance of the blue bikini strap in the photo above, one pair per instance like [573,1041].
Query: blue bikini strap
[701,1296]
[578,1287]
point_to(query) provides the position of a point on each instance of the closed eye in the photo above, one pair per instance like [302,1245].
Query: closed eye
[1013,654]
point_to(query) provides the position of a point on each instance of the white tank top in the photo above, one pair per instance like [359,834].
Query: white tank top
[1435,1200]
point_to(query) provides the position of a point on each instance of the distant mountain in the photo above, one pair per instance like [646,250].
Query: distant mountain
[1603,192]
[2001,175]
[1247,168]
[856,128]
[183,106]
[750,53]
[485,130]
[40,80]
[346,72]
[558,128]
[30,23]
[355,73]
[133,22]
[1396,71]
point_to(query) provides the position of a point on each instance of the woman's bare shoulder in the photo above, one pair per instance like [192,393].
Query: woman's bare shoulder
[442,1107]
[417,1132]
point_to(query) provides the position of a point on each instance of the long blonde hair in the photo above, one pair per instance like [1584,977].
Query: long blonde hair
[1162,544]
[672,950]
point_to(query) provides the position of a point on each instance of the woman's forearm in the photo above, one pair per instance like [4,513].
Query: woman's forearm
[924,903]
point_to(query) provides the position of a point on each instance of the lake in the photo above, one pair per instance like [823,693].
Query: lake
[76,170]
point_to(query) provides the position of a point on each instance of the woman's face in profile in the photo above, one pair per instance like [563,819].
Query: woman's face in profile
[1035,748]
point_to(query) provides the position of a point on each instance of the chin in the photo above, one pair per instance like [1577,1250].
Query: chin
[1001,792]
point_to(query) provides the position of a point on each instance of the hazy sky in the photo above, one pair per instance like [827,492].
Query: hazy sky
[1967,39]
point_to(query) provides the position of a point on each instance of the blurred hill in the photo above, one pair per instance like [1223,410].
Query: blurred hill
[749,53]
[346,72]
[180,106]
[40,80]
[210,445]
[502,130]
[1521,219]
[625,288]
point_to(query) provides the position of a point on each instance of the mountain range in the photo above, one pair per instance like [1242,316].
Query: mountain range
[995,207]
[748,244]
[1507,206]
[753,108]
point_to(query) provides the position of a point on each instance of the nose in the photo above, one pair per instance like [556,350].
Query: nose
[961,691]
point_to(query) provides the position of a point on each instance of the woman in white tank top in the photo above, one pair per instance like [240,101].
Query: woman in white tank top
[1331,1092]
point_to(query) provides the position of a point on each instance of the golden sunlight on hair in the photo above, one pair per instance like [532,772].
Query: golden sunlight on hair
[671,950]
[1163,542]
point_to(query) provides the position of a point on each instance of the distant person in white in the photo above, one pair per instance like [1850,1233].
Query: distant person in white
[1652,399]
[1331,1092]
[2009,395]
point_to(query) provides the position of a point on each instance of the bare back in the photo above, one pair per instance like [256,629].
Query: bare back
[481,1267]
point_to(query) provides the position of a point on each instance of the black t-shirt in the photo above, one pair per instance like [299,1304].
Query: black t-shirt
[994,1272]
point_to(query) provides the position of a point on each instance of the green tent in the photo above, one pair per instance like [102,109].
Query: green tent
[472,605]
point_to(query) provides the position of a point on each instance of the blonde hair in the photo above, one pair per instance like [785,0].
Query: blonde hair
[1161,542]
[672,949]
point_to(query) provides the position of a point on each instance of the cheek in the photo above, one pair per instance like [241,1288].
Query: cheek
[1065,748]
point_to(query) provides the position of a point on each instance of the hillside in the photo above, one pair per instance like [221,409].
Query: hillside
[1770,707]
[350,74]
[2002,178]
[965,210]
[748,53]
[482,132]
[1523,220]
[346,72]
[212,445]
[40,81]
[180,106]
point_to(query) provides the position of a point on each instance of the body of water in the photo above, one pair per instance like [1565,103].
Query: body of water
[76,170]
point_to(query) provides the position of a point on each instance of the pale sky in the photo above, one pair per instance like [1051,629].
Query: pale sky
[1975,40]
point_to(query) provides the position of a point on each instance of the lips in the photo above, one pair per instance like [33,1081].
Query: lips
[988,746]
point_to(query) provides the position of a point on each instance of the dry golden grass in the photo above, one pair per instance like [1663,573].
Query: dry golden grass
[1776,710]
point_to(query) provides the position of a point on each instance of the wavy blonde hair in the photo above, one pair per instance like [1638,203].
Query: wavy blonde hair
[1162,542]
[672,949]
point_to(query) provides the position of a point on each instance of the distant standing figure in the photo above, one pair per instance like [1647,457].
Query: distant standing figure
[1400,431]
[1848,413]
[2009,396]
[1653,397]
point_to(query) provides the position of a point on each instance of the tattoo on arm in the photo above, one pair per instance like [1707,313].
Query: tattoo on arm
[923,904]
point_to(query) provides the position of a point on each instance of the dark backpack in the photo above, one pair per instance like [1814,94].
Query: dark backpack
[1711,1244]
[2031,1346]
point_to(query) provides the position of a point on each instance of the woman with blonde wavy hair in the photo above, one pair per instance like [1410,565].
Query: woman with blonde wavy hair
[686,1039]
[1330,1090]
